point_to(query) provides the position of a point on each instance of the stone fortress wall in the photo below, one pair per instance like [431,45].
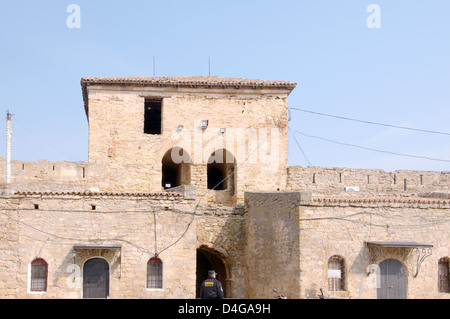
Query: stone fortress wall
[351,181]
[46,175]
[271,226]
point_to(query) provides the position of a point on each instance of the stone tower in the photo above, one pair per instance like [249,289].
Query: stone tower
[222,135]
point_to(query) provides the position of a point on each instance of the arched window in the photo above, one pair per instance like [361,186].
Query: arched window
[221,171]
[176,168]
[336,277]
[39,273]
[154,273]
[444,278]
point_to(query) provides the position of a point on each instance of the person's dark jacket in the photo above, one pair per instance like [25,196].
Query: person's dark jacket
[211,288]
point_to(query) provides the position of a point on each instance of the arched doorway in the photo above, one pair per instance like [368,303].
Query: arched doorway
[176,168]
[96,278]
[211,259]
[393,280]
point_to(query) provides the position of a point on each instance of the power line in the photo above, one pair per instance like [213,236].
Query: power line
[301,149]
[370,122]
[345,217]
[372,149]
[194,213]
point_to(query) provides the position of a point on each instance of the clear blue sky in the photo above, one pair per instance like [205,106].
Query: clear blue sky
[398,74]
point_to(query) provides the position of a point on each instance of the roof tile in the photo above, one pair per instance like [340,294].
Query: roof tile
[187,80]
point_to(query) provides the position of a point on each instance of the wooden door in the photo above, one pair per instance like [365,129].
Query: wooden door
[393,283]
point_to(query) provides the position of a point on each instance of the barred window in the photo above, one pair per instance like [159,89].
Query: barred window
[443,273]
[336,284]
[154,273]
[39,272]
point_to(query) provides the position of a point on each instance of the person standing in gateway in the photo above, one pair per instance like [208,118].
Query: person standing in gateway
[211,288]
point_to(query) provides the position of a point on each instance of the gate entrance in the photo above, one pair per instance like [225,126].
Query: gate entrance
[393,283]
[96,278]
[210,259]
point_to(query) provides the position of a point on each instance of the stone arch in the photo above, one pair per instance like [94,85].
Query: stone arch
[221,171]
[211,259]
[176,168]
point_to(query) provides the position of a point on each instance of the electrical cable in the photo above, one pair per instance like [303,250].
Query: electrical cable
[370,122]
[194,213]
[301,149]
[204,194]
[372,149]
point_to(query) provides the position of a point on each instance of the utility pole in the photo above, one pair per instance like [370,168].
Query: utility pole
[8,147]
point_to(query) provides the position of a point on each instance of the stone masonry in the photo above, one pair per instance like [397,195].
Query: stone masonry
[263,225]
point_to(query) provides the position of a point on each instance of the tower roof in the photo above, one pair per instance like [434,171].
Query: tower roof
[200,82]
[187,81]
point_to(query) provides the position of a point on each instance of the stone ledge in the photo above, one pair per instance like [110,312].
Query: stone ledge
[112,194]
[379,200]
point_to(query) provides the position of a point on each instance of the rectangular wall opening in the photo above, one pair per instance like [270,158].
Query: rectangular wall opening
[153,116]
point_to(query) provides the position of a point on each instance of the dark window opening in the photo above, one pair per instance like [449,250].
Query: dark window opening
[36,206]
[39,272]
[169,176]
[215,178]
[152,122]
[221,171]
[174,174]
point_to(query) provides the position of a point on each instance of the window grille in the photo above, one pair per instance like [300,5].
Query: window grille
[336,284]
[444,282]
[39,272]
[154,273]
